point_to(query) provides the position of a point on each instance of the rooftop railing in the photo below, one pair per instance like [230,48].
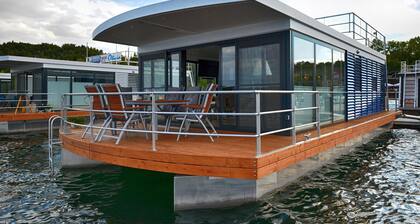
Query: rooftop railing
[410,68]
[356,28]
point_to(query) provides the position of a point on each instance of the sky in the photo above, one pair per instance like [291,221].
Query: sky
[73,21]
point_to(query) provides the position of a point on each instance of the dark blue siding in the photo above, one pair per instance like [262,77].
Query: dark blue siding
[365,86]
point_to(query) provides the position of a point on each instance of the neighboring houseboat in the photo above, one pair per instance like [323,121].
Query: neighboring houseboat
[278,72]
[36,85]
[409,87]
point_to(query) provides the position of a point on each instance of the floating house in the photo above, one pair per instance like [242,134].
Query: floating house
[409,87]
[303,86]
[40,83]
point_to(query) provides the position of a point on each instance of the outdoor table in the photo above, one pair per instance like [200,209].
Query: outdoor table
[159,104]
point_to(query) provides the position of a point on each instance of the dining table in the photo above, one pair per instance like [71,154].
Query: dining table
[160,104]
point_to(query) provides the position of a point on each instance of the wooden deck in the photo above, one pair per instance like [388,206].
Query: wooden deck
[37,115]
[227,157]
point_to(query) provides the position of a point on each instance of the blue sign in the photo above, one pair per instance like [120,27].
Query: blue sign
[106,58]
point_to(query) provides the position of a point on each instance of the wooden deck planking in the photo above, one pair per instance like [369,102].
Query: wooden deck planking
[227,157]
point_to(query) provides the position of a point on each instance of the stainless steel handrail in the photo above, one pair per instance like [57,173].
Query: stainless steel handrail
[258,113]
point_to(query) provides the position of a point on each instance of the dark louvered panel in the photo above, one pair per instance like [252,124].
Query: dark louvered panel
[365,85]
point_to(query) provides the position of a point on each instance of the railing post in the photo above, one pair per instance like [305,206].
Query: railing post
[318,114]
[154,122]
[258,122]
[91,119]
[293,118]
[64,115]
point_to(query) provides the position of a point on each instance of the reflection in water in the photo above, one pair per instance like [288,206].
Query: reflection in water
[379,182]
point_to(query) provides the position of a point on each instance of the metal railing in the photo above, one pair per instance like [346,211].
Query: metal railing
[258,114]
[355,27]
[28,102]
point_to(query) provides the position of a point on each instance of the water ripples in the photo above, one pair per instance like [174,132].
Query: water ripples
[377,183]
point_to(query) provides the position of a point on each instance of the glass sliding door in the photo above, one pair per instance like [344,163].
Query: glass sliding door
[259,65]
[154,74]
[303,76]
[259,68]
[324,81]
[228,77]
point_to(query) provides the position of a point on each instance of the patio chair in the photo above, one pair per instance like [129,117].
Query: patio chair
[116,103]
[171,108]
[203,107]
[97,103]
[192,98]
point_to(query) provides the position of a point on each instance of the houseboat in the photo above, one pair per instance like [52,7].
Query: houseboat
[33,89]
[409,84]
[279,93]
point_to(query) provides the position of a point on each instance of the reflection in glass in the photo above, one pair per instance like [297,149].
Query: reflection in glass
[339,99]
[303,52]
[259,65]
[147,74]
[324,81]
[159,73]
[80,80]
[175,72]
[154,74]
[229,66]
[192,74]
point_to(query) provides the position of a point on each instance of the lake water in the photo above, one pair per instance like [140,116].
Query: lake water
[378,182]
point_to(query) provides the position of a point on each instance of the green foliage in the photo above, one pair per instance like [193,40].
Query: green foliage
[77,120]
[70,52]
[402,51]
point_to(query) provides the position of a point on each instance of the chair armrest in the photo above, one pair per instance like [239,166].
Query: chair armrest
[192,106]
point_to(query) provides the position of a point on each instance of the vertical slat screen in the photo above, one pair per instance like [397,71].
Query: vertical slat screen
[365,86]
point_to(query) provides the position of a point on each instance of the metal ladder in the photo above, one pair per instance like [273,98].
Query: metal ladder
[52,141]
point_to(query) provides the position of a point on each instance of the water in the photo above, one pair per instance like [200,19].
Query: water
[379,183]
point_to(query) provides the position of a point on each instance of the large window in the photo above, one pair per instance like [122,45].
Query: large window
[259,65]
[324,81]
[154,74]
[58,83]
[303,75]
[80,80]
[229,66]
[320,67]
[339,97]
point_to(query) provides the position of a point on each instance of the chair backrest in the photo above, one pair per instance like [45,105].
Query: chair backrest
[193,98]
[208,98]
[97,100]
[114,102]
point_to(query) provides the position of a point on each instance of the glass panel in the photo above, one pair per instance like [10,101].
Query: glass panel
[259,65]
[37,87]
[159,73]
[339,99]
[147,74]
[228,66]
[324,81]
[175,72]
[80,80]
[57,85]
[192,74]
[102,78]
[303,52]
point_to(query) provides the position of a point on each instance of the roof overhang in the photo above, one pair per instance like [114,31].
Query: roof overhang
[177,19]
[18,63]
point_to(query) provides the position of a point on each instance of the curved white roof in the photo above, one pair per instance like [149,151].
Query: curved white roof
[174,19]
